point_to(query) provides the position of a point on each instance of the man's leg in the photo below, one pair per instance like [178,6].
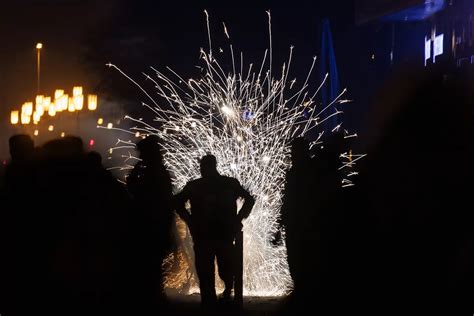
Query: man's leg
[204,252]
[225,263]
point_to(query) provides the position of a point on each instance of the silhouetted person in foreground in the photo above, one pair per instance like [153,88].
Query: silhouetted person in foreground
[19,170]
[312,214]
[63,227]
[214,222]
[328,218]
[82,223]
[420,192]
[297,211]
[152,220]
[17,228]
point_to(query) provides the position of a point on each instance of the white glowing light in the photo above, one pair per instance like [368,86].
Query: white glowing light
[227,110]
[438,46]
[232,105]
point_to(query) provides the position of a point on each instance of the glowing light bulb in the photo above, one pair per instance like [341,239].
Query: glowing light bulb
[58,93]
[14,117]
[92,102]
[25,119]
[76,91]
[52,109]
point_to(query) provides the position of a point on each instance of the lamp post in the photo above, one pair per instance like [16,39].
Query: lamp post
[39,46]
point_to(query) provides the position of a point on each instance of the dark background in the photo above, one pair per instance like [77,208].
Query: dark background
[80,37]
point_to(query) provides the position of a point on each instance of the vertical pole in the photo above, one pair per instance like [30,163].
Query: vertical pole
[77,122]
[38,63]
[239,268]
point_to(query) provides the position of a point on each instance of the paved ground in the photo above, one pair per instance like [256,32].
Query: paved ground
[258,306]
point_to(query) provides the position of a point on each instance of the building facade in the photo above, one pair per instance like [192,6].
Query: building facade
[420,32]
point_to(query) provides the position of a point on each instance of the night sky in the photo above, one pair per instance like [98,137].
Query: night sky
[80,37]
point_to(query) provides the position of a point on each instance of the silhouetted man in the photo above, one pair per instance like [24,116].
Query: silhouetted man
[18,174]
[296,210]
[214,223]
[150,186]
[18,224]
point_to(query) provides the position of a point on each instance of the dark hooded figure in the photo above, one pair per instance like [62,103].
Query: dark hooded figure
[296,209]
[214,222]
[149,183]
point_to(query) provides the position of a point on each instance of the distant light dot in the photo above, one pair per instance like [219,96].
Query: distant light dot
[36,132]
[110,125]
[100,121]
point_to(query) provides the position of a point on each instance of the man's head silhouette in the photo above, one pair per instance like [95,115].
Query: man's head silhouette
[150,149]
[21,147]
[208,166]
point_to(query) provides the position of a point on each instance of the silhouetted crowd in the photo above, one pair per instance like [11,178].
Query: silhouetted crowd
[75,241]
[64,226]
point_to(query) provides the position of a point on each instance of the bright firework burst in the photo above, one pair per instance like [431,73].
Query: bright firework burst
[245,117]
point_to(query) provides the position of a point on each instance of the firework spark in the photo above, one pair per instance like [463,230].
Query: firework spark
[247,119]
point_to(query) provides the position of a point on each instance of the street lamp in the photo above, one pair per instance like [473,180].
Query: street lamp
[39,46]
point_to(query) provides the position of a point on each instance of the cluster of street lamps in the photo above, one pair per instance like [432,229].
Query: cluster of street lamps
[43,106]
[34,111]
